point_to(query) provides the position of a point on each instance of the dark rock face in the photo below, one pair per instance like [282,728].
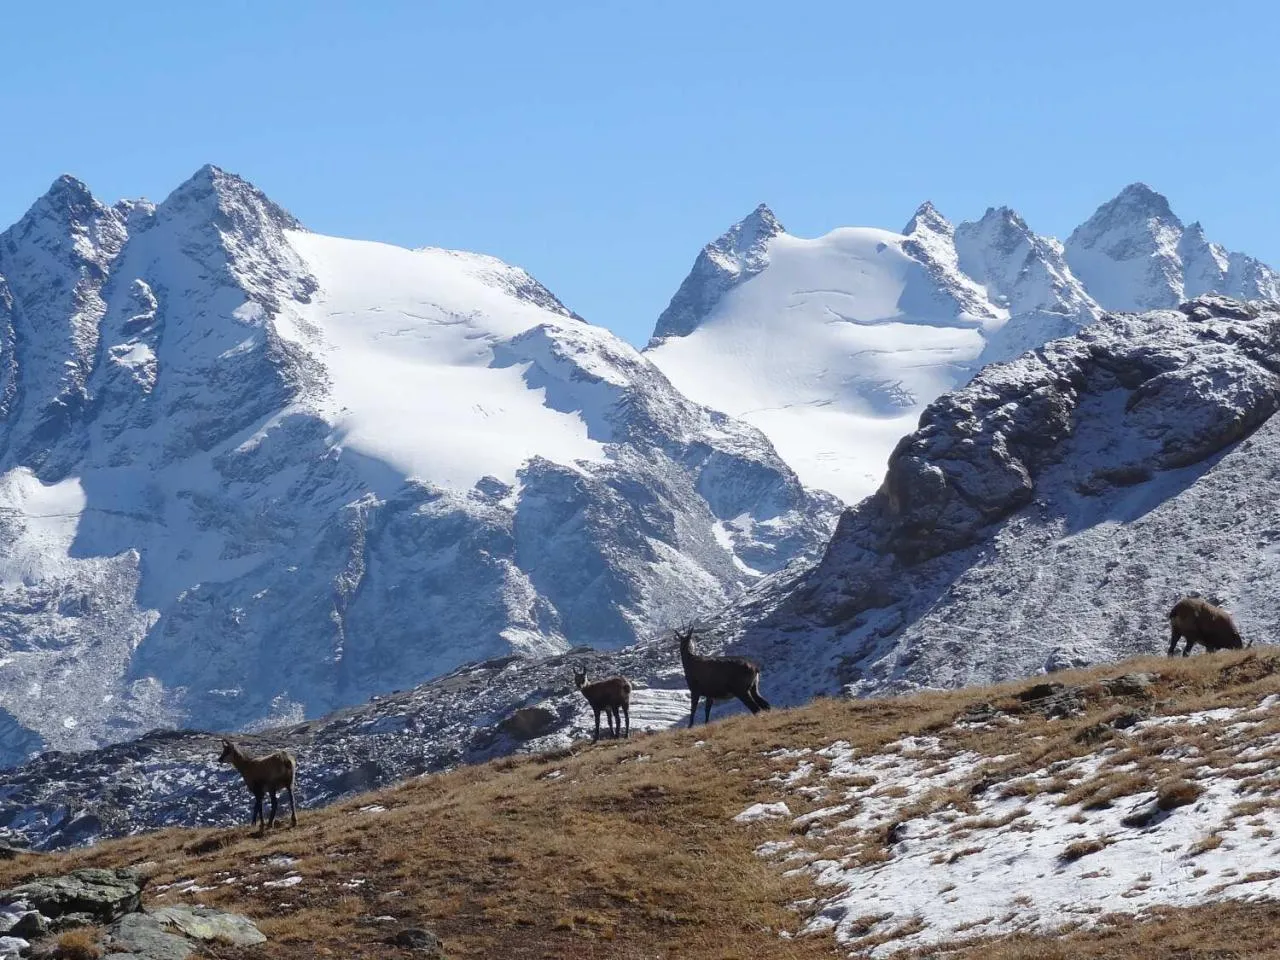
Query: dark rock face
[1176,393]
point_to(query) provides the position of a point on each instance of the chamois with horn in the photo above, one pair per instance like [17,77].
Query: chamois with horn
[718,678]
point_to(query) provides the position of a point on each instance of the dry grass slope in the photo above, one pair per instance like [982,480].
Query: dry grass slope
[628,850]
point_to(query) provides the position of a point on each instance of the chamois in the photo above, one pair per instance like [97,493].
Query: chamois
[718,678]
[609,695]
[1201,622]
[267,774]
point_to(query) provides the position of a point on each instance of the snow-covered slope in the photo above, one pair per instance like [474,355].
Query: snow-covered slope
[250,473]
[833,347]
[1050,513]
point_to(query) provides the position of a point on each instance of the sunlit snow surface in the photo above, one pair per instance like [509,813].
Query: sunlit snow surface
[1000,867]
[832,350]
[406,337]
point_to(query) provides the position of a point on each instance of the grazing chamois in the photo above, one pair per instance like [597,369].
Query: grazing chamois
[609,695]
[1201,622]
[268,774]
[719,678]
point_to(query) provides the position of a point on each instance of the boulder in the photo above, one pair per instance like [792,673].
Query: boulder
[529,722]
[418,940]
[100,895]
[141,936]
[201,923]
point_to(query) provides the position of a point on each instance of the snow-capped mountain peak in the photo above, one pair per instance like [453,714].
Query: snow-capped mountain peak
[212,191]
[1134,254]
[927,219]
[734,257]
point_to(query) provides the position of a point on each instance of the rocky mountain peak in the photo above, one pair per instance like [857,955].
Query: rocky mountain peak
[227,199]
[927,219]
[734,257]
[1138,200]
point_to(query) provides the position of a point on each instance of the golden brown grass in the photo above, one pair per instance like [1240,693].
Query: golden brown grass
[77,945]
[641,858]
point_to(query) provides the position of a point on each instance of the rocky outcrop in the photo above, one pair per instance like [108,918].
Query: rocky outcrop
[112,900]
[1050,512]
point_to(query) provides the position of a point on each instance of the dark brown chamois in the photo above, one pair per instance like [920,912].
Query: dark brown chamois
[719,678]
[1201,622]
[611,695]
[268,774]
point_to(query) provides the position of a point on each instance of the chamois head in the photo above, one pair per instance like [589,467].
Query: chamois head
[685,637]
[579,677]
[228,751]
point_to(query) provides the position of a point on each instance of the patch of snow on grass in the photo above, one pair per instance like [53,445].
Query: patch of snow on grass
[762,811]
[949,861]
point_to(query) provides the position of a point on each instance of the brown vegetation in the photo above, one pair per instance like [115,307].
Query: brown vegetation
[632,852]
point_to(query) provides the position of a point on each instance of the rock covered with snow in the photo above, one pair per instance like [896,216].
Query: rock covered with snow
[249,473]
[1050,512]
[490,709]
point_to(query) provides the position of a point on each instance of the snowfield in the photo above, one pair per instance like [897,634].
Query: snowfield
[820,354]
[407,339]
[1039,852]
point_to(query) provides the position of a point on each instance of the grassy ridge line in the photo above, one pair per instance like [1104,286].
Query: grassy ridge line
[628,849]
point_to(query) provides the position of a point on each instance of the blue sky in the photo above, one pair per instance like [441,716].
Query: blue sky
[600,144]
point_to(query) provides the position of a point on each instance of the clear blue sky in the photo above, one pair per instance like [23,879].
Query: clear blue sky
[599,144]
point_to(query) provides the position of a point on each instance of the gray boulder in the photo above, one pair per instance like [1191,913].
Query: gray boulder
[143,937]
[102,896]
[202,923]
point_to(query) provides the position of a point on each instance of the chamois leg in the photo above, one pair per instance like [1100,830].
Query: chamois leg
[626,710]
[1191,642]
[746,698]
[596,738]
[257,807]
[274,803]
[754,692]
[1173,642]
[617,723]
[293,811]
[707,716]
[693,712]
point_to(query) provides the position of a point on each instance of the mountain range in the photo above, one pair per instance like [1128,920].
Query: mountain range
[250,474]
[834,346]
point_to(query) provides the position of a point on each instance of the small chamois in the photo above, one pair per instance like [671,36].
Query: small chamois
[267,774]
[718,678]
[1201,622]
[610,696]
